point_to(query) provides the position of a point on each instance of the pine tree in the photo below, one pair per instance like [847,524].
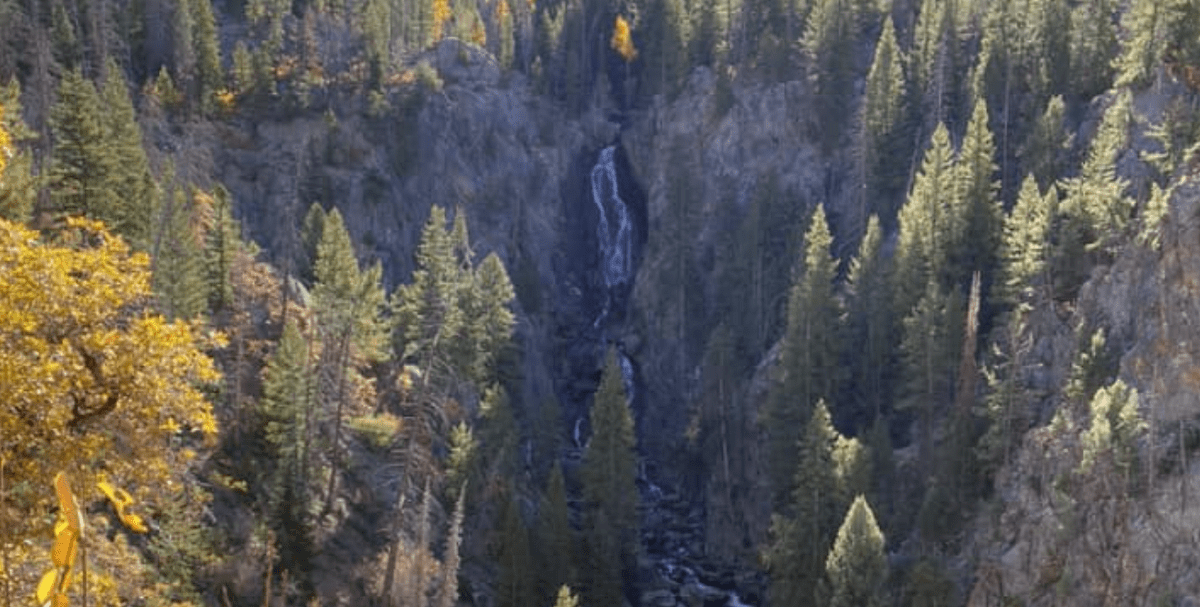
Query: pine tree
[68,51]
[1026,246]
[668,36]
[289,410]
[347,303]
[883,127]
[857,566]
[872,323]
[933,59]
[927,352]
[802,539]
[928,224]
[1116,425]
[1093,48]
[1152,25]
[19,185]
[555,539]
[565,598]
[426,311]
[242,70]
[129,177]
[609,492]
[183,34]
[347,299]
[516,586]
[810,358]
[209,74]
[828,42]
[1042,154]
[221,246]
[1095,209]
[81,166]
[179,279]
[975,178]
[504,24]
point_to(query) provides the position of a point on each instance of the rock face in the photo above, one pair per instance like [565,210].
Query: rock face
[1062,538]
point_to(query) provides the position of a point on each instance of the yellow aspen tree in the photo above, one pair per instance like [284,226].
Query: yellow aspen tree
[441,14]
[96,384]
[622,40]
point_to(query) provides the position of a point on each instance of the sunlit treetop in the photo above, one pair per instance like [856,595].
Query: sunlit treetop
[95,383]
[4,143]
[622,40]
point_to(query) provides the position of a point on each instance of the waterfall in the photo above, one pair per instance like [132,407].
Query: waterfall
[614,235]
[616,262]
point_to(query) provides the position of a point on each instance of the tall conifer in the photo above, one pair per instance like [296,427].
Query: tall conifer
[810,353]
[609,492]
[857,566]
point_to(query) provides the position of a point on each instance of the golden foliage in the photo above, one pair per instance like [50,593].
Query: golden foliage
[5,142]
[441,14]
[622,40]
[93,379]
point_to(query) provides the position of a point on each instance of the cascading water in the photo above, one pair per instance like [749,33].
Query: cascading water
[614,236]
[672,526]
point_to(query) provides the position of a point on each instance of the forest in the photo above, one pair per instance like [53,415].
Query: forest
[302,302]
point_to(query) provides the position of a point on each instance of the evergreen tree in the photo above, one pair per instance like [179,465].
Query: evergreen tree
[347,303]
[1025,249]
[347,300]
[927,352]
[665,52]
[221,246]
[565,598]
[1042,154]
[427,309]
[183,33]
[857,566]
[1155,26]
[19,185]
[289,410]
[1094,209]
[67,49]
[517,577]
[1116,425]
[209,74]
[810,358]
[933,59]
[129,177]
[504,25]
[802,539]
[178,278]
[1004,406]
[719,423]
[609,492]
[242,70]
[928,224]
[828,42]
[977,188]
[872,323]
[882,127]
[1093,48]
[556,540]
[82,166]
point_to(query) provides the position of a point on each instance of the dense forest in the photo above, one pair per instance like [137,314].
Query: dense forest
[297,304]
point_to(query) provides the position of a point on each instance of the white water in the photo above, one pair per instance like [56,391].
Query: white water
[614,233]
[615,247]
